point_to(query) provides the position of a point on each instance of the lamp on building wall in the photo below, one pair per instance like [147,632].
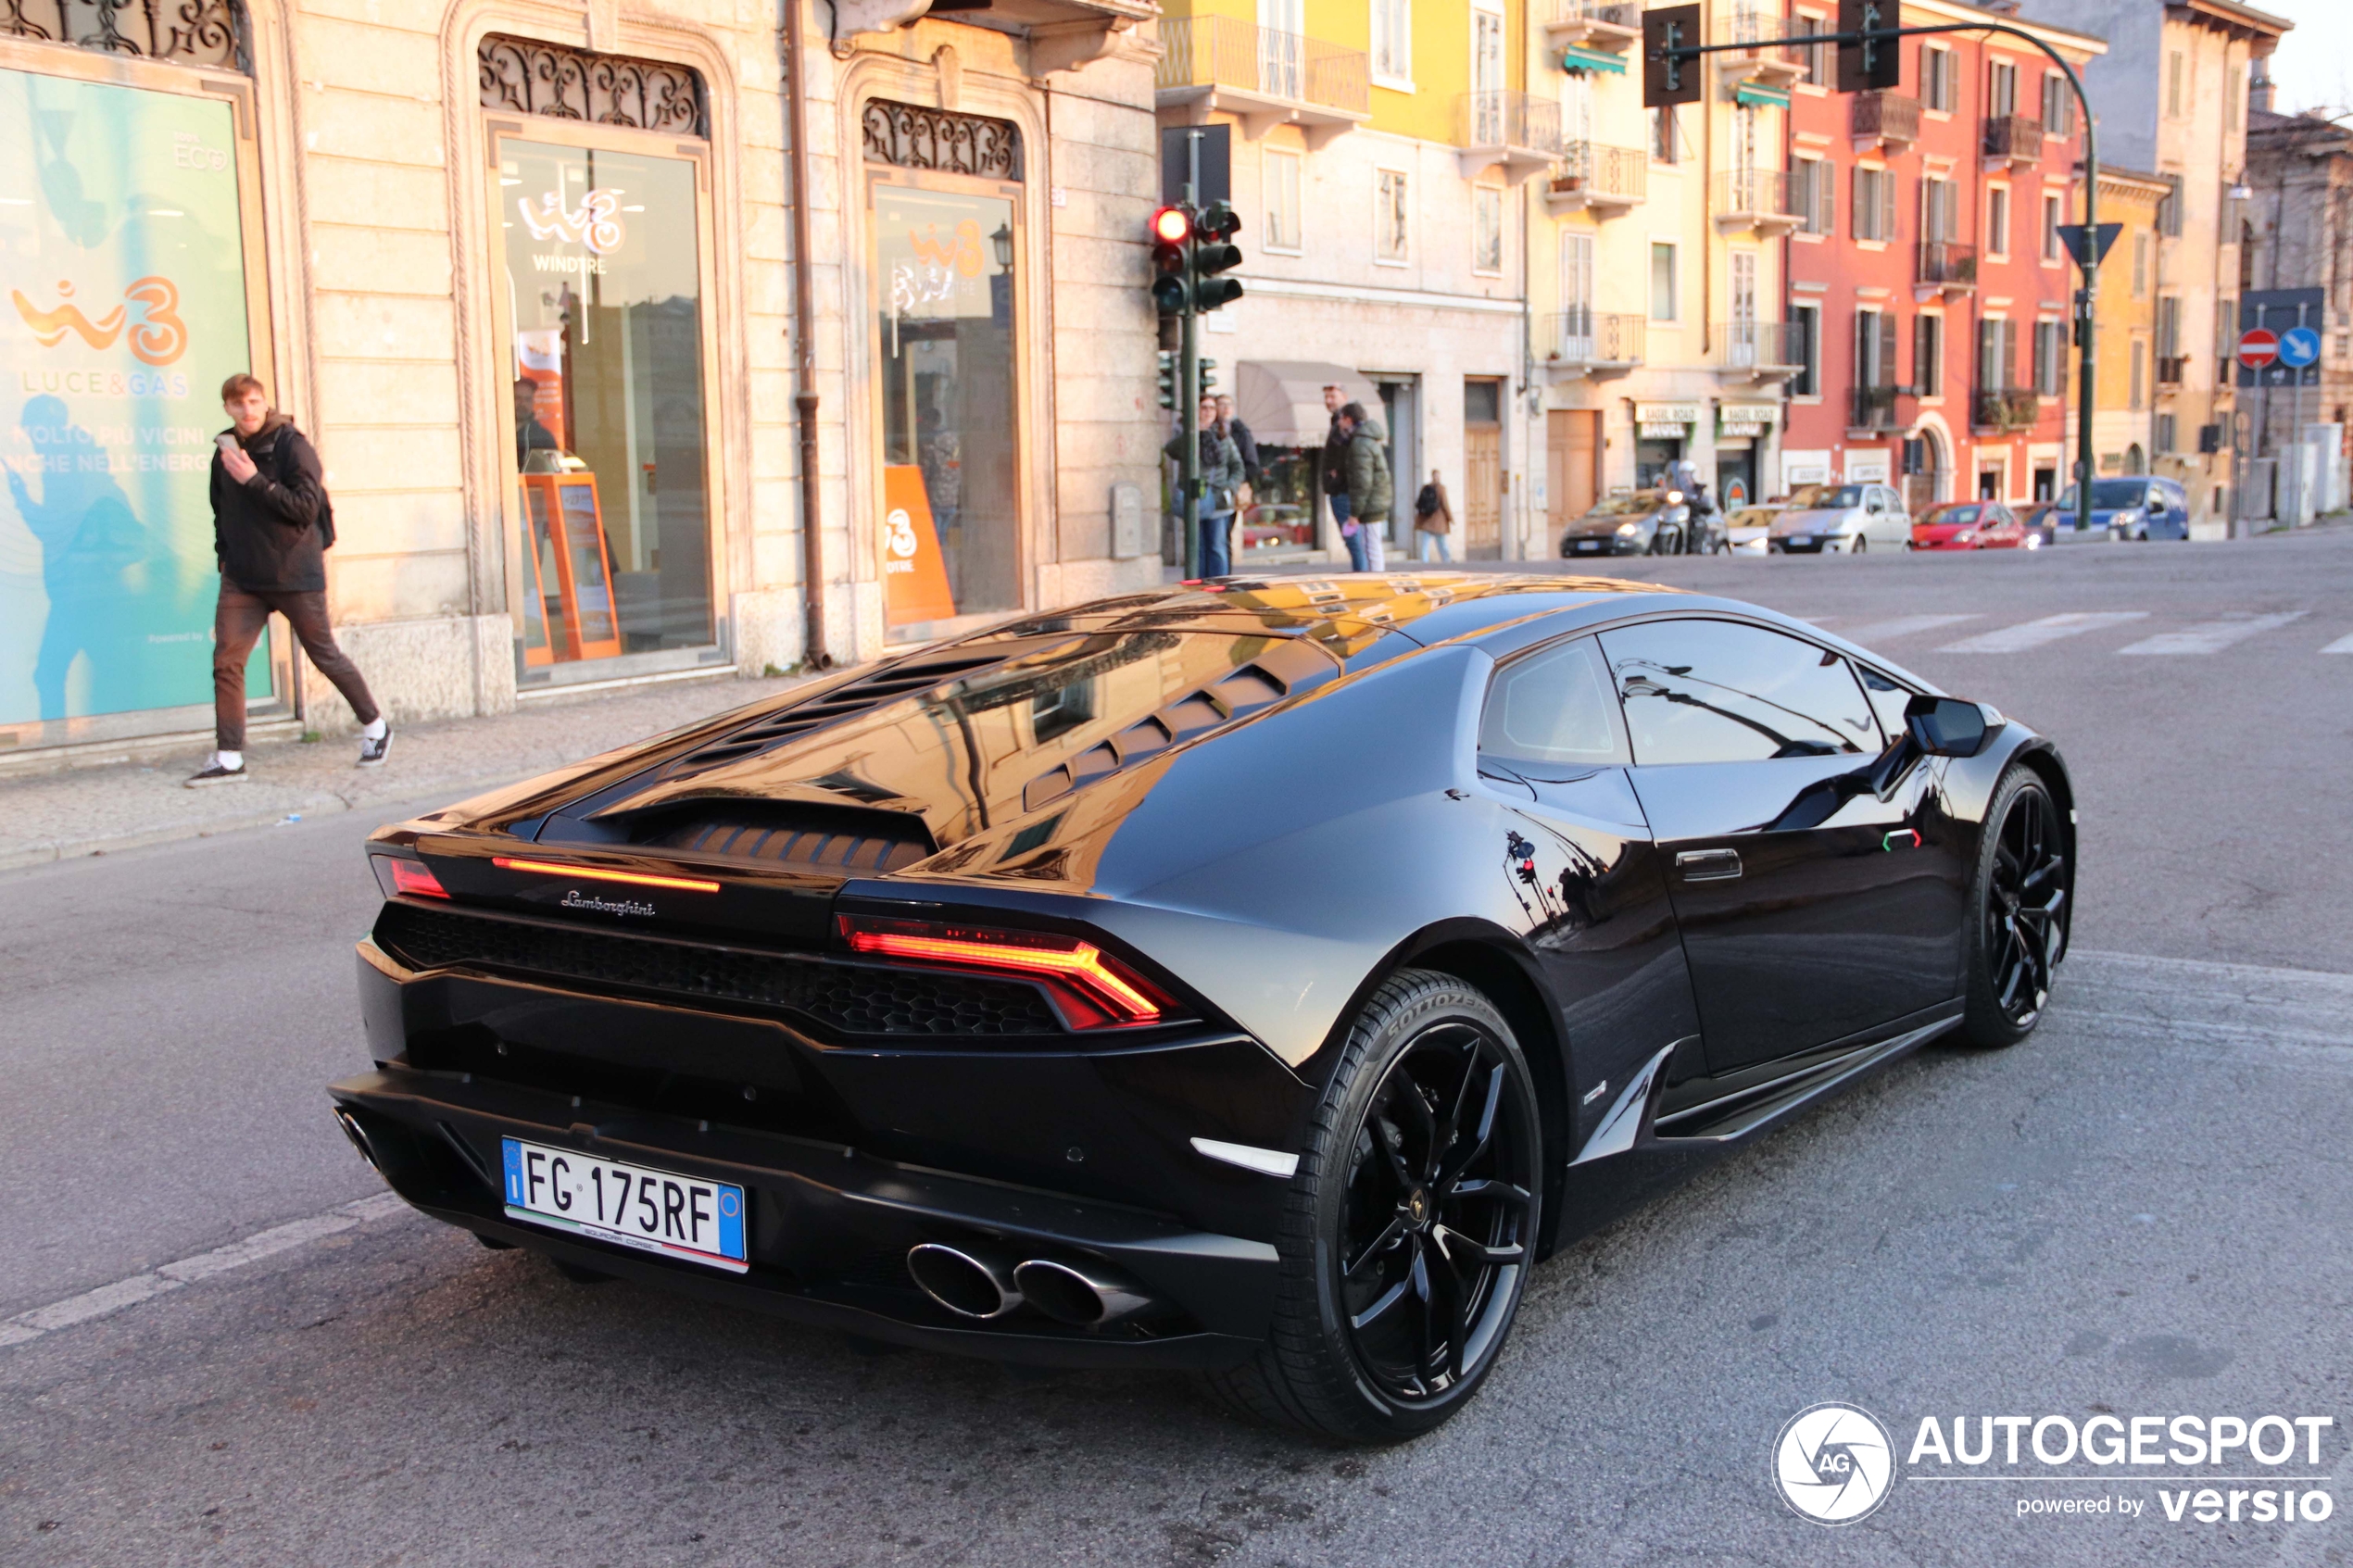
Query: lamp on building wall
[1003,240]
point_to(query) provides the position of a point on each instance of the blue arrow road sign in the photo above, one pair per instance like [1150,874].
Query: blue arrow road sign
[2300,347]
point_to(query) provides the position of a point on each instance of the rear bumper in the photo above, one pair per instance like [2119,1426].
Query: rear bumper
[851,1151]
[829,1227]
[1613,545]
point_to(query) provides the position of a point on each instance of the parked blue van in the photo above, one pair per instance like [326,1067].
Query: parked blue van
[2138,508]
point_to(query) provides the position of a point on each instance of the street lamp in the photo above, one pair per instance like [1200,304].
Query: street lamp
[1003,240]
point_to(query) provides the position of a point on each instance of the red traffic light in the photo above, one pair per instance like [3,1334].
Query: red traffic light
[1172,225]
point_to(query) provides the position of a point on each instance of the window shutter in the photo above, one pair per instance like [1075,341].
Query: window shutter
[1887,329]
[1862,348]
[1887,206]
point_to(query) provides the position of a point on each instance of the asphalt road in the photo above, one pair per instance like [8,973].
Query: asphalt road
[2140,1210]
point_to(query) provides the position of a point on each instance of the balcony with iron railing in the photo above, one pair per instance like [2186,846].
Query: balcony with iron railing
[1767,200]
[1758,351]
[1600,179]
[2005,409]
[1876,409]
[1581,340]
[1518,132]
[1613,26]
[1892,119]
[1766,58]
[1946,264]
[1262,76]
[2015,138]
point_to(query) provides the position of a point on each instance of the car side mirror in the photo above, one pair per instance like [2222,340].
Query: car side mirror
[1946,726]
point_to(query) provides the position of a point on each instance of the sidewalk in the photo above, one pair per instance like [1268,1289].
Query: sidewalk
[58,816]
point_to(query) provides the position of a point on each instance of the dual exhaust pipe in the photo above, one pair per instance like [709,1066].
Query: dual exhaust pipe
[981,1280]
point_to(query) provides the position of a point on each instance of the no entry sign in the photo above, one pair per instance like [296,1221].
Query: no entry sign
[2257,348]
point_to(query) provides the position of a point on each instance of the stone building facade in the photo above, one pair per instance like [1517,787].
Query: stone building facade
[525,272]
[2300,235]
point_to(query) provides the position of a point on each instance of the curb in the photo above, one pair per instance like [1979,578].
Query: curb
[325,804]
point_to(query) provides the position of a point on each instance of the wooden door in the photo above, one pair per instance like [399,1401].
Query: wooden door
[1572,467]
[1483,492]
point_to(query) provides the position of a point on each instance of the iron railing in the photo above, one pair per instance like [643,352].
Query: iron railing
[2171,369]
[197,32]
[1891,117]
[1617,13]
[1621,173]
[2007,408]
[1875,408]
[1511,120]
[1760,345]
[2014,136]
[1755,191]
[1946,262]
[1223,51]
[1764,36]
[1581,336]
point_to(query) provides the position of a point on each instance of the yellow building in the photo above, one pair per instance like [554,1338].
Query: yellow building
[1654,276]
[1375,148]
[2125,394]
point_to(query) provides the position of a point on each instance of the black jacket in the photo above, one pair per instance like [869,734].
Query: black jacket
[265,531]
[1335,465]
[1246,445]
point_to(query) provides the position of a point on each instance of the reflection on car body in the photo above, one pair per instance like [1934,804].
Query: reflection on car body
[1105,986]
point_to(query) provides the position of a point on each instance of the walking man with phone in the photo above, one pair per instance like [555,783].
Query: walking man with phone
[270,529]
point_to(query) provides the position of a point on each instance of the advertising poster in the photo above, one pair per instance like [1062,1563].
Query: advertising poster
[122,305]
[914,578]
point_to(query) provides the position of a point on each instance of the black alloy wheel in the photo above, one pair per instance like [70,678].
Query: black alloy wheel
[1411,1226]
[2019,914]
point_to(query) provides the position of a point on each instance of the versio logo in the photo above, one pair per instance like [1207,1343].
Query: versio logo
[1835,1463]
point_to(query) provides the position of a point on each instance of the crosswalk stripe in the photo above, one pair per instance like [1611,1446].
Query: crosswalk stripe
[2050,629]
[2212,636]
[2343,645]
[1904,626]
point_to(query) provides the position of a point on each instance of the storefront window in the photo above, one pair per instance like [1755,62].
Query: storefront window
[944,280]
[125,307]
[604,298]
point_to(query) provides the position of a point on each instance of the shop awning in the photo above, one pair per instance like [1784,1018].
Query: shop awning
[1757,97]
[1282,400]
[1575,58]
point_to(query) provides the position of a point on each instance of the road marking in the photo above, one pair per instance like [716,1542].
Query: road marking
[1904,626]
[108,1300]
[2212,636]
[2343,645]
[2050,629]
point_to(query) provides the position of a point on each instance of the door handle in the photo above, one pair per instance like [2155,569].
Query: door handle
[1708,865]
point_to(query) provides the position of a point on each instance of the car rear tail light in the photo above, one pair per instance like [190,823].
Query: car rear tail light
[1093,989]
[415,878]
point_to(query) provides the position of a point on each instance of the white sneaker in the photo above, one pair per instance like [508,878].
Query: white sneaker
[213,773]
[373,752]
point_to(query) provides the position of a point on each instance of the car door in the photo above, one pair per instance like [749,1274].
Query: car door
[1893,525]
[2000,530]
[1812,906]
[1580,864]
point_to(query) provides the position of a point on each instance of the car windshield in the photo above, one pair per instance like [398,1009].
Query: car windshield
[1754,517]
[2109,494]
[1628,506]
[1823,497]
[1957,512]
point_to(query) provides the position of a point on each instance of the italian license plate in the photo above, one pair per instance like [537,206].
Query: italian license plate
[652,1211]
[1800,539]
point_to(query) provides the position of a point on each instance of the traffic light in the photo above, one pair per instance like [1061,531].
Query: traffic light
[1170,390]
[1208,377]
[1667,81]
[1875,64]
[1172,234]
[1215,252]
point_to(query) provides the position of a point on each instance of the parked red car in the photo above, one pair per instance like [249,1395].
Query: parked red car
[1973,525]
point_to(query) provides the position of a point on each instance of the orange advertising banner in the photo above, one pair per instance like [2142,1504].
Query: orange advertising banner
[914,576]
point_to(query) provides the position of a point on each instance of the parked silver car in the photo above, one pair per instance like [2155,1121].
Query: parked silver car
[1846,518]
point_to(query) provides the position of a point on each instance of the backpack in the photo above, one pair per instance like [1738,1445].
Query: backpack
[326,521]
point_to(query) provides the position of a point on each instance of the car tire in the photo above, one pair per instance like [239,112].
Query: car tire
[1657,546]
[2018,911]
[1857,544]
[1429,1134]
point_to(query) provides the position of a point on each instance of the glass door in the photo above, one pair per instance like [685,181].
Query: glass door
[603,316]
[943,280]
[1577,297]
